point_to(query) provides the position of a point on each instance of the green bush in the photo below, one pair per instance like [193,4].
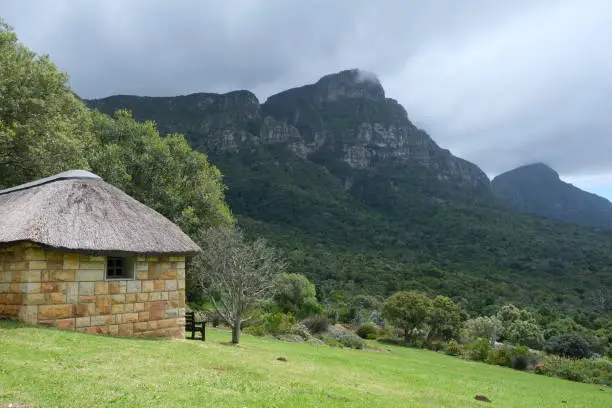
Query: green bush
[278,323]
[255,330]
[588,370]
[371,336]
[478,350]
[435,345]
[316,324]
[568,345]
[501,356]
[453,348]
[368,330]
[345,337]
[394,341]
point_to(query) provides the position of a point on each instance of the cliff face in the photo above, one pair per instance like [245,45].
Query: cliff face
[538,189]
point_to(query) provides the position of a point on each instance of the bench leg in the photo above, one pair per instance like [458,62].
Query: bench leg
[193,333]
[204,331]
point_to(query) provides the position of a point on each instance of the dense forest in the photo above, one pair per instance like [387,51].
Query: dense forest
[334,174]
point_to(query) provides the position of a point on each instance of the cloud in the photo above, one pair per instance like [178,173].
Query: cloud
[500,83]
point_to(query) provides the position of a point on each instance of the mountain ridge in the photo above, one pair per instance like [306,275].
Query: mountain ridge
[363,201]
[538,189]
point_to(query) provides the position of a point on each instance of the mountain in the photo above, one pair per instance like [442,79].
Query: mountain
[538,189]
[362,201]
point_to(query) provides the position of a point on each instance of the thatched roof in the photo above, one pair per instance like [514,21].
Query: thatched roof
[78,211]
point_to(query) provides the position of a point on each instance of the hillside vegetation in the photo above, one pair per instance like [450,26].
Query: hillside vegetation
[51,368]
[364,202]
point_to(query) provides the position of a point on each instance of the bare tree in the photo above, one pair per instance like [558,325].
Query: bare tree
[235,274]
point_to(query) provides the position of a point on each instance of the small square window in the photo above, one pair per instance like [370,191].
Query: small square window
[119,267]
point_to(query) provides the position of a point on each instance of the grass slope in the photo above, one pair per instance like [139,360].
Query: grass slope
[51,368]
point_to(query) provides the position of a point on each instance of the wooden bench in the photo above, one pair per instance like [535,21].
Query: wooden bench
[192,325]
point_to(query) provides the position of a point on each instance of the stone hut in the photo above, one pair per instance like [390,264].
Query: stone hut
[79,254]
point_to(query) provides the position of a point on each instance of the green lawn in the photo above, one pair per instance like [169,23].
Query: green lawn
[50,368]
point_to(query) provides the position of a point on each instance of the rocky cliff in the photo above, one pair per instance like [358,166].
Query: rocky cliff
[343,122]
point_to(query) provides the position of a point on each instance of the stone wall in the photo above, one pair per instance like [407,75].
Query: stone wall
[69,291]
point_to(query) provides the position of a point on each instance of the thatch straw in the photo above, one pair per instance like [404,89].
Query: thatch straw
[78,211]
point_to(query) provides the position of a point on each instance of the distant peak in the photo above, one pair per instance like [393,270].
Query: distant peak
[352,83]
[540,169]
[532,171]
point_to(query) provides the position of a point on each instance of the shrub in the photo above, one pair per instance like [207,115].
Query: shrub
[278,323]
[316,324]
[589,370]
[453,348]
[367,330]
[568,345]
[300,330]
[501,356]
[434,345]
[255,330]
[394,341]
[478,350]
[371,336]
[343,336]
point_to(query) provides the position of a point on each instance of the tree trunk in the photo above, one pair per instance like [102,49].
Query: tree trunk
[406,335]
[236,332]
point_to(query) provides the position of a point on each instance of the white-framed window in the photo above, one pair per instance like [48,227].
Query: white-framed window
[119,267]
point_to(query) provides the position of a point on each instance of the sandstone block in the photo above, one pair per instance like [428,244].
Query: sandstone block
[171,285]
[117,308]
[134,286]
[165,296]
[102,320]
[34,299]
[65,324]
[86,288]
[46,287]
[130,298]
[101,288]
[155,296]
[143,316]
[114,287]
[28,314]
[83,321]
[140,327]
[87,299]
[126,329]
[128,307]
[113,329]
[72,292]
[4,287]
[34,254]
[98,330]
[85,309]
[91,275]
[115,299]
[142,297]
[142,275]
[57,298]
[49,312]
[139,307]
[32,287]
[92,265]
[30,276]
[148,286]
[63,275]
[71,261]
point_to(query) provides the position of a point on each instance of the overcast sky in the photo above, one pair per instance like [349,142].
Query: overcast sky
[500,83]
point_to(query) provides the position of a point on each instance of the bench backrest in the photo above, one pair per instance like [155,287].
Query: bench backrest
[189,317]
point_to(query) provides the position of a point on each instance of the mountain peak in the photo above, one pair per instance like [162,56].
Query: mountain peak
[538,170]
[352,83]
[536,188]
